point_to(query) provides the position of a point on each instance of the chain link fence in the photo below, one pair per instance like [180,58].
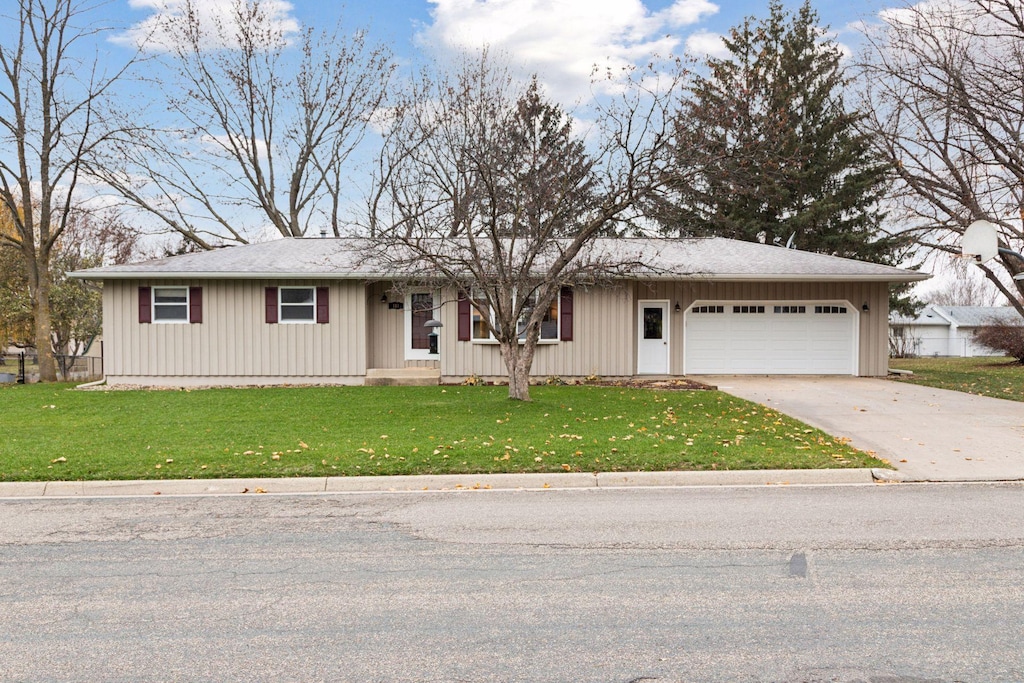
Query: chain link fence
[24,367]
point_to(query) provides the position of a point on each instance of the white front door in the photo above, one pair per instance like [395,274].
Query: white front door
[652,338]
[420,306]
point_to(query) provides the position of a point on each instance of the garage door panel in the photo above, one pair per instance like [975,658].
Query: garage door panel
[770,342]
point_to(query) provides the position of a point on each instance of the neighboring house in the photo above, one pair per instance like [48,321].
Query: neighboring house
[947,330]
[310,310]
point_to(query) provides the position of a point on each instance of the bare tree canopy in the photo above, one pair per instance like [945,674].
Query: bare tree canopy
[944,85]
[52,116]
[490,189]
[964,285]
[260,122]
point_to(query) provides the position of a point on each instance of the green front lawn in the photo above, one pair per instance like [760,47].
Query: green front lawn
[51,432]
[997,377]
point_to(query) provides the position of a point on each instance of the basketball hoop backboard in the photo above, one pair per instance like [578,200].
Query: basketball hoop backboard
[980,241]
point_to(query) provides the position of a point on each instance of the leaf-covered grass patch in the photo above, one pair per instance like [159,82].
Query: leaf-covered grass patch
[52,432]
[988,376]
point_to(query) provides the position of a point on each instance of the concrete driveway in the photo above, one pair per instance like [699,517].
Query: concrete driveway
[927,434]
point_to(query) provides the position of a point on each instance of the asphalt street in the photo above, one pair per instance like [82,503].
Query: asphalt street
[874,583]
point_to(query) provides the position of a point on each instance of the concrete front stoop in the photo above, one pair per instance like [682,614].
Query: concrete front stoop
[403,377]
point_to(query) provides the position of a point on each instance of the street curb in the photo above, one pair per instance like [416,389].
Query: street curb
[441,482]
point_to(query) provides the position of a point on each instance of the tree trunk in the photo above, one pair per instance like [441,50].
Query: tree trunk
[40,273]
[518,359]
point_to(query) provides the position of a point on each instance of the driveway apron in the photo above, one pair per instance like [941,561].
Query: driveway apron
[927,434]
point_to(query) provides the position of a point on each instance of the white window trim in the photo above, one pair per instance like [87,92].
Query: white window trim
[491,340]
[280,306]
[153,305]
[419,354]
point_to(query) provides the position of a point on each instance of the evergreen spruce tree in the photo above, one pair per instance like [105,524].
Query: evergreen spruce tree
[765,148]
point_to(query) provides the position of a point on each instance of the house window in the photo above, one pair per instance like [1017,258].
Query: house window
[708,309]
[548,324]
[830,309]
[790,309]
[170,304]
[297,304]
[421,310]
[748,309]
[478,309]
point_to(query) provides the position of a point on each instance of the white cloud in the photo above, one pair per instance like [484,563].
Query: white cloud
[686,12]
[704,43]
[158,31]
[562,40]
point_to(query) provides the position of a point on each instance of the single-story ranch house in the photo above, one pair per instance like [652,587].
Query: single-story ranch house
[310,310]
[948,330]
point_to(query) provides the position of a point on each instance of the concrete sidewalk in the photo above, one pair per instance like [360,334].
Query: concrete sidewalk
[927,434]
[450,482]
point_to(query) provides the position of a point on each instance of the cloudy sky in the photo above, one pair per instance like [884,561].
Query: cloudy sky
[559,39]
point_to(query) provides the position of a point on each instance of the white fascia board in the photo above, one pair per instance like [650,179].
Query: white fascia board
[707,277]
[945,315]
[776,277]
[202,275]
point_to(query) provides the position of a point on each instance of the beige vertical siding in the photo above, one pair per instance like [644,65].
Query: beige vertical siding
[385,329]
[873,325]
[234,344]
[233,340]
[605,326]
[602,328]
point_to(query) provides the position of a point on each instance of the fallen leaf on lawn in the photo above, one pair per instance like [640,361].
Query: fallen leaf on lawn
[303,444]
[566,467]
[60,459]
[275,456]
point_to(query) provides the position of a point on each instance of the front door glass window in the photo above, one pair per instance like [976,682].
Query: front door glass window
[653,322]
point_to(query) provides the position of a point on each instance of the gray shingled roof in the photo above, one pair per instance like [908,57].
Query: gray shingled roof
[706,258]
[962,316]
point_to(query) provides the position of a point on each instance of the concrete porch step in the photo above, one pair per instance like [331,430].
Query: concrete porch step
[403,377]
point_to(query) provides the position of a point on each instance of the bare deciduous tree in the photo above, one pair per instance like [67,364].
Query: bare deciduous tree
[489,190]
[944,85]
[262,121]
[51,118]
[965,286]
[1003,337]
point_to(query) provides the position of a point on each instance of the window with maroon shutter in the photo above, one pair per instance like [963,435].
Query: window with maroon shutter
[195,304]
[464,318]
[323,305]
[566,314]
[271,304]
[169,304]
[145,305]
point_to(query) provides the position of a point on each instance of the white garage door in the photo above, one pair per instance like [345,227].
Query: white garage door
[782,338]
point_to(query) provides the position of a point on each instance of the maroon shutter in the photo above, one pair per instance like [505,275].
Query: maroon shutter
[271,300]
[465,318]
[145,305]
[323,305]
[195,304]
[565,324]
